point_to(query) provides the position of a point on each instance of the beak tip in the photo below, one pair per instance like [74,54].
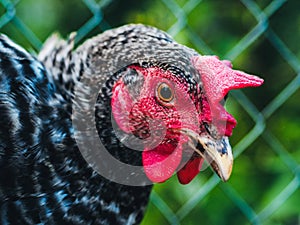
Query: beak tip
[225,175]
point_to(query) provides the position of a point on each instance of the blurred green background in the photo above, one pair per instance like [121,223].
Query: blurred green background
[260,37]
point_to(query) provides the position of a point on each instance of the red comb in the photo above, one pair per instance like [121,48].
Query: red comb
[218,79]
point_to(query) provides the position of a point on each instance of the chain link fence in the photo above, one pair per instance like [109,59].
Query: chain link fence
[264,188]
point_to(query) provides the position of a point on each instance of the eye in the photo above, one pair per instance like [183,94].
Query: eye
[165,93]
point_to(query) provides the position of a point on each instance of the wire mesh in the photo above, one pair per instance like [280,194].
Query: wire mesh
[164,208]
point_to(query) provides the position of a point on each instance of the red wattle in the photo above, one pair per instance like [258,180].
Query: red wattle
[186,174]
[161,162]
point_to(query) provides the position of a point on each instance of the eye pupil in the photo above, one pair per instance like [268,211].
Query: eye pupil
[166,92]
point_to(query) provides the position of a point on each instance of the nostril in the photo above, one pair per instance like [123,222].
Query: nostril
[211,130]
[207,128]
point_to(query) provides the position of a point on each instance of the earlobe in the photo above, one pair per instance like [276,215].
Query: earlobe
[125,93]
[121,105]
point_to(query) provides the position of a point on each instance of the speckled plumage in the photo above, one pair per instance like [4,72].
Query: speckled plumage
[44,178]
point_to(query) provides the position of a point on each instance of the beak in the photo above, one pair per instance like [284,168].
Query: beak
[217,152]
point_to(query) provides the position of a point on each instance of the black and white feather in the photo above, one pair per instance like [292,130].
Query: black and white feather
[43,176]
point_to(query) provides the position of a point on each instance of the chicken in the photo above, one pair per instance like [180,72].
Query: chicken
[85,132]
